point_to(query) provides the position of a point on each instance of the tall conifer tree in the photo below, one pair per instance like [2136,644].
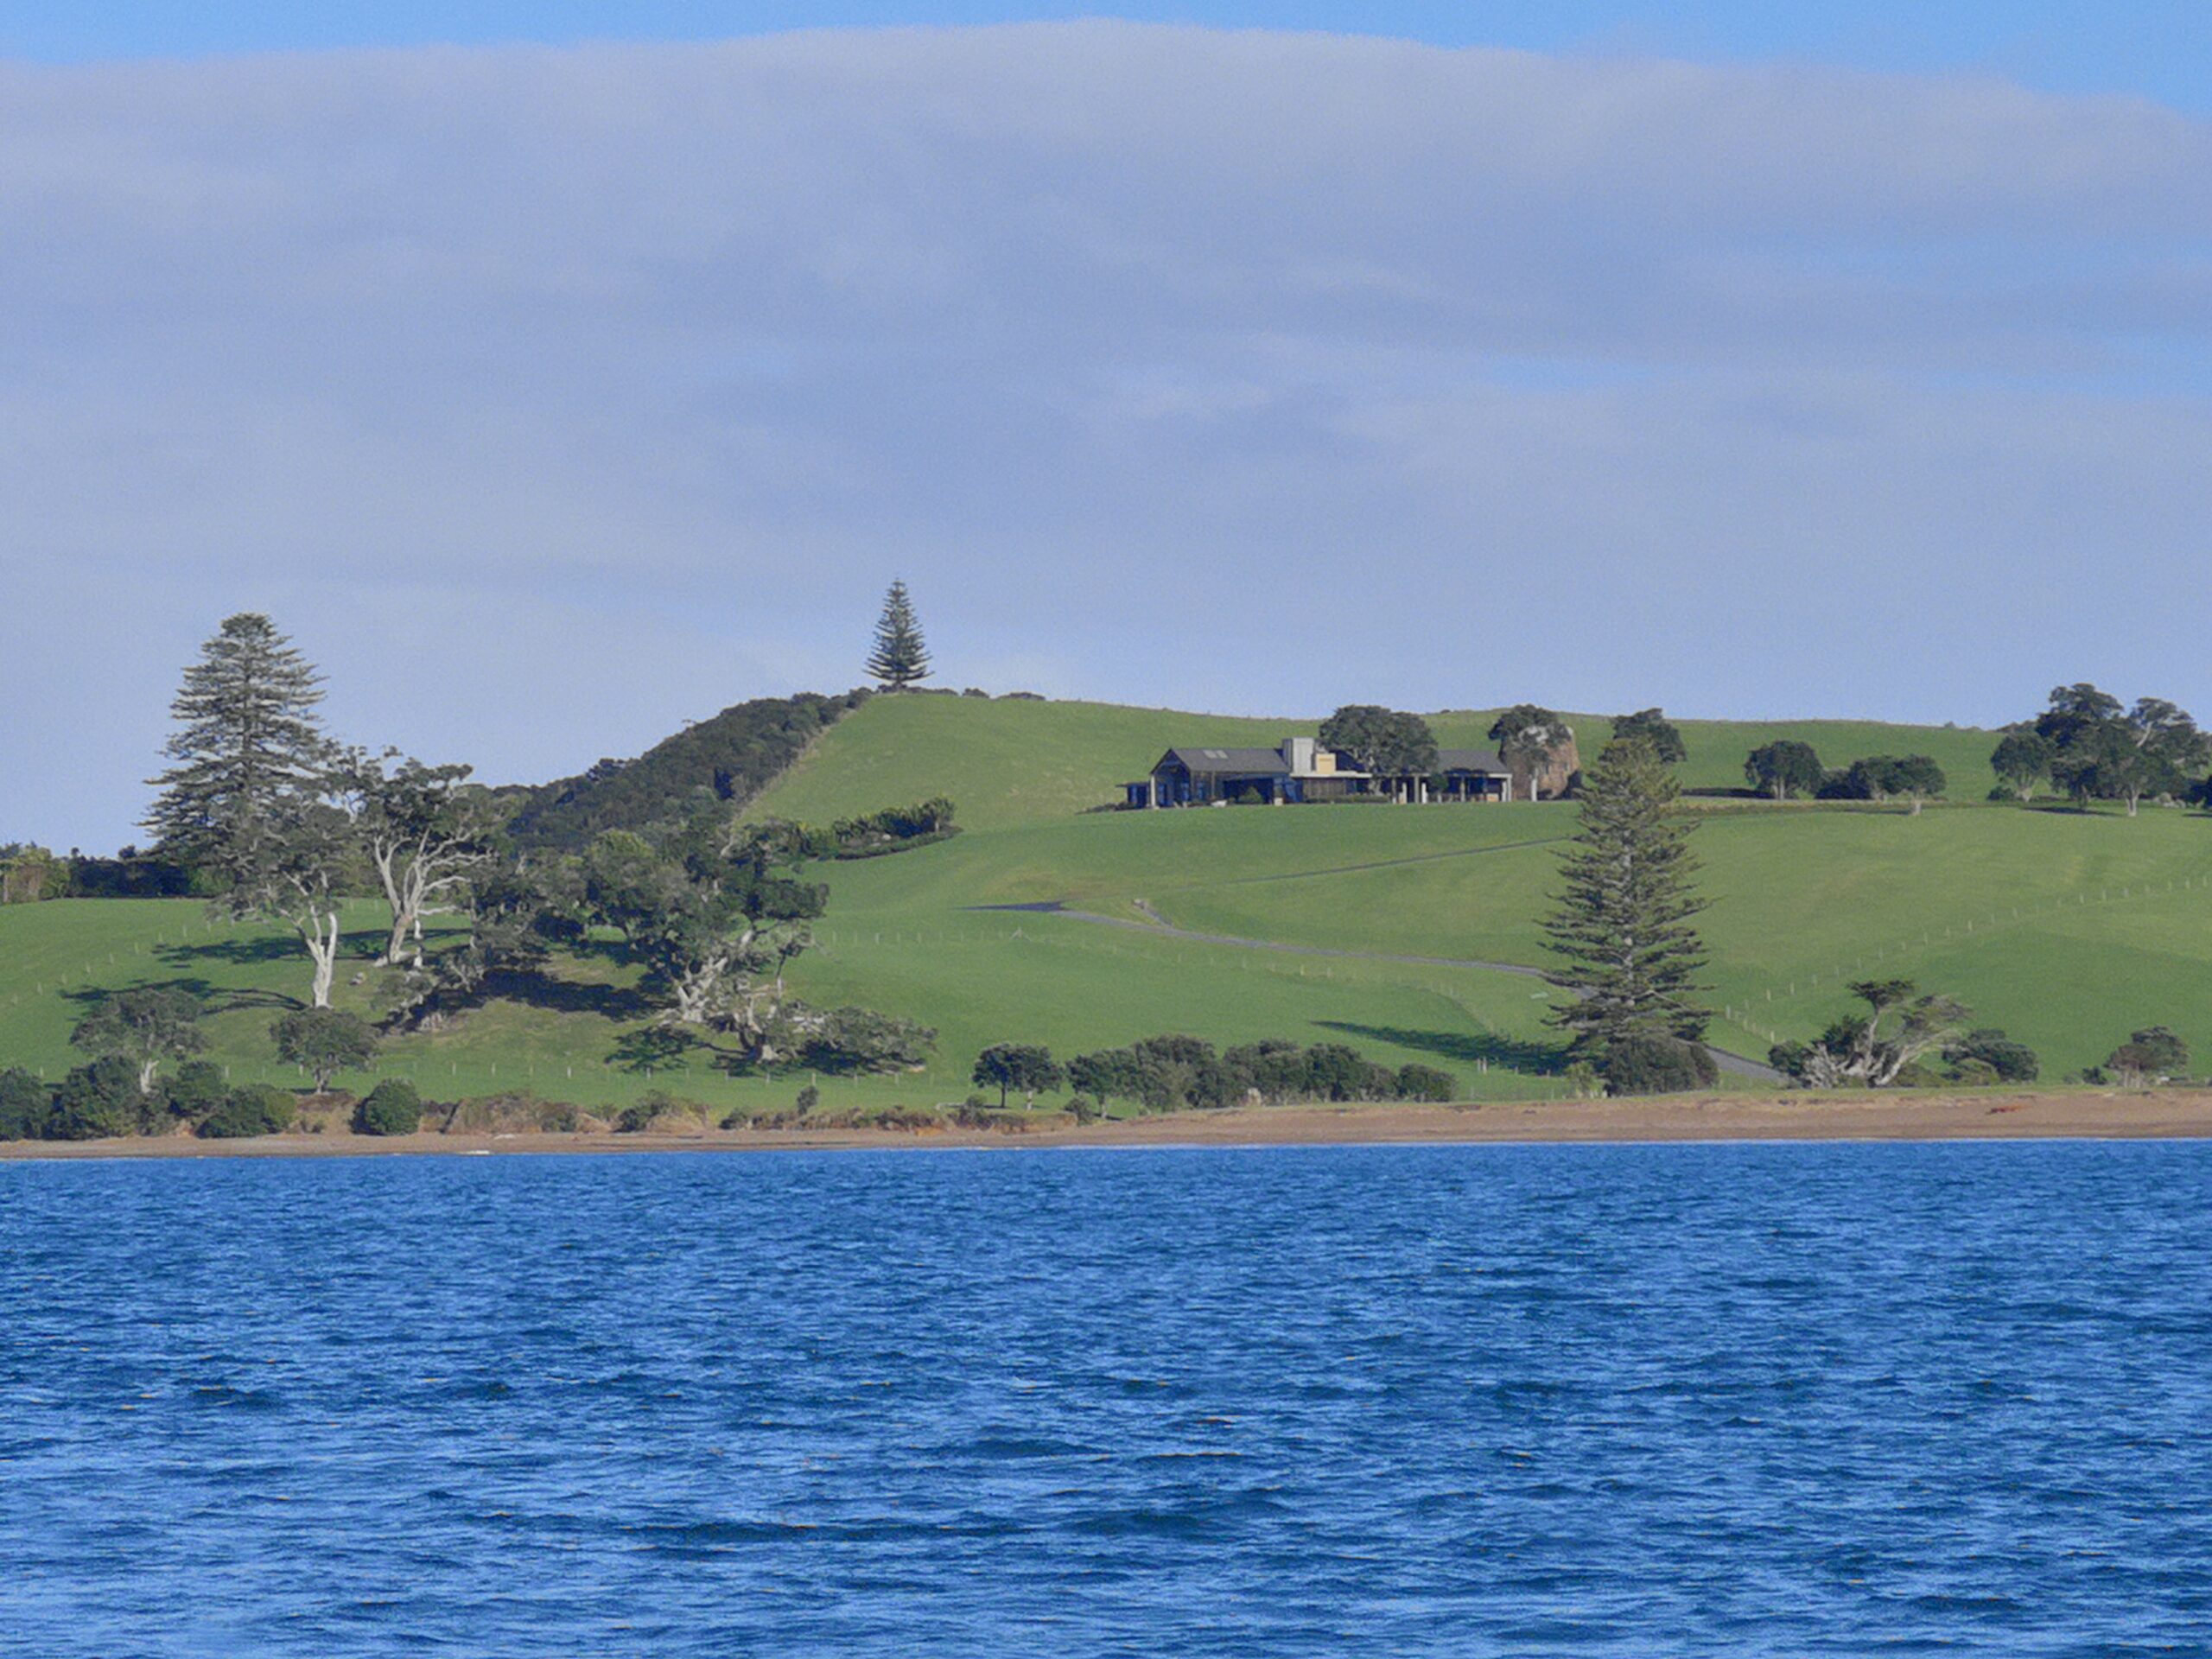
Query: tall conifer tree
[899,658]
[248,744]
[1623,929]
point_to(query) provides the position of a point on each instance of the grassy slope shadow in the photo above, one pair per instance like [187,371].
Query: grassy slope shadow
[1468,1048]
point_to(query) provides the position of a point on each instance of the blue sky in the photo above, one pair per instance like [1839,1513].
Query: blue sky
[551,395]
[2156,48]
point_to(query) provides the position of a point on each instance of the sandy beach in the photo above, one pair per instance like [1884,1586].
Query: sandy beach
[2079,1114]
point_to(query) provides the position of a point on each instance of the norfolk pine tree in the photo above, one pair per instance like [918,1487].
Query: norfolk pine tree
[899,658]
[247,739]
[1623,929]
[255,800]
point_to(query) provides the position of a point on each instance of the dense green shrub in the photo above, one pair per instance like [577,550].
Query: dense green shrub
[809,1098]
[196,1092]
[250,1109]
[1170,1073]
[2005,1060]
[845,1040]
[893,830]
[392,1107]
[2153,1054]
[1426,1082]
[651,1108]
[715,764]
[25,1105]
[1657,1065]
[98,1101]
[1027,1069]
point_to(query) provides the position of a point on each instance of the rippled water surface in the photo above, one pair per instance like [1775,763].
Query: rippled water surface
[1422,1400]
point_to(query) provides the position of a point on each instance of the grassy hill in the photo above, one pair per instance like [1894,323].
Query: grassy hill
[1010,761]
[2066,928]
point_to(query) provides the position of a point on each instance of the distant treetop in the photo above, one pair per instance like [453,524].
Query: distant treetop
[1651,728]
[899,658]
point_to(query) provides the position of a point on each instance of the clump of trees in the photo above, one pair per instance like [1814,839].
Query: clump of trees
[103,1100]
[1906,1038]
[1025,1068]
[277,817]
[1383,741]
[144,1028]
[1784,768]
[1789,769]
[717,764]
[2090,746]
[289,825]
[1534,743]
[2153,1055]
[1651,728]
[1176,1073]
[1623,930]
[29,873]
[1914,777]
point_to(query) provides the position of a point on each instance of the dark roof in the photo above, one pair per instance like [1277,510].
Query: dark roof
[1242,763]
[1470,760]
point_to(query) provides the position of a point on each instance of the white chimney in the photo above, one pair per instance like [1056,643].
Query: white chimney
[1297,754]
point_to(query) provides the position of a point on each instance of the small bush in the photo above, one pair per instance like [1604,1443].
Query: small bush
[651,1108]
[1657,1065]
[1426,1082]
[392,1107]
[809,1098]
[251,1110]
[25,1105]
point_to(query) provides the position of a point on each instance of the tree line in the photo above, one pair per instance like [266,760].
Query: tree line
[1175,1072]
[2088,746]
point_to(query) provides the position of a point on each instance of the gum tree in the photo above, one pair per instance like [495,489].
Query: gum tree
[427,833]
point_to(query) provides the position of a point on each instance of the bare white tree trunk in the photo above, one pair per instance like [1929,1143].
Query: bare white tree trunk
[319,929]
[415,874]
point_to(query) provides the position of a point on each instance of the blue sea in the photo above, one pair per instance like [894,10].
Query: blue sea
[1389,1400]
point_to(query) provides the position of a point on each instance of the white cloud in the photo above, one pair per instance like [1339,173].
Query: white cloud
[553,396]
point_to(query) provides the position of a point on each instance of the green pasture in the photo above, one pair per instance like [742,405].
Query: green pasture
[2068,928]
[1010,761]
[978,977]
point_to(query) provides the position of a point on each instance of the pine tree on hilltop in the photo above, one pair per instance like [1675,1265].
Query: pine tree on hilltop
[899,658]
[248,744]
[1623,926]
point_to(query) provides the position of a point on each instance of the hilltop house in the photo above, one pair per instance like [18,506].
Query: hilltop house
[1299,770]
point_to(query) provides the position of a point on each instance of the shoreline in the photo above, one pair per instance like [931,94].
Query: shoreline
[2107,1114]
